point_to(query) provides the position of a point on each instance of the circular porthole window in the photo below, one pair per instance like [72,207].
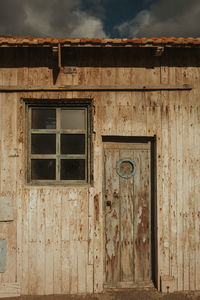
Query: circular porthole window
[126,167]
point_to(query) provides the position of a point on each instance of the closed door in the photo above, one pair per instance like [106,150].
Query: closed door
[127,201]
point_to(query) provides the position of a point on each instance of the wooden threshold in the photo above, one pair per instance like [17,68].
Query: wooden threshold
[129,285]
[85,88]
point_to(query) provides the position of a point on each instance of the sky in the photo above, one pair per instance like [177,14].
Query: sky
[100,18]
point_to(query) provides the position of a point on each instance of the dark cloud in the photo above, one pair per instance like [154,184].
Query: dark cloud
[164,18]
[96,8]
[60,18]
[100,18]
[114,12]
[13,18]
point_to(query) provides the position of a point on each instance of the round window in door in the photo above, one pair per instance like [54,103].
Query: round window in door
[126,167]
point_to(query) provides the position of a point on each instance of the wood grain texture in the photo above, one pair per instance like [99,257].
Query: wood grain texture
[56,240]
[127,216]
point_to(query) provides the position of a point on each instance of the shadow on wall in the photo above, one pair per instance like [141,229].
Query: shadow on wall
[98,57]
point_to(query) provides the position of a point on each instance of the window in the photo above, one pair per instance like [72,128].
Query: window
[58,144]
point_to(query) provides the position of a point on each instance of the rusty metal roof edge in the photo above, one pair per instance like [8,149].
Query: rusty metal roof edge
[12,41]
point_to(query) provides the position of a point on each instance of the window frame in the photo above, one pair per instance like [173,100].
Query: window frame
[58,105]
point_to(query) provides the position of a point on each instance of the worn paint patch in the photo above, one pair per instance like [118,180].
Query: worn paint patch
[6,208]
[112,243]
[2,256]
[73,195]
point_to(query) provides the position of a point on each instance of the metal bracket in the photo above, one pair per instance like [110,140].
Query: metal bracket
[57,52]
[69,70]
[159,51]
[59,57]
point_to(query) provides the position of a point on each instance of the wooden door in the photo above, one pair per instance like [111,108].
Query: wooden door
[127,203]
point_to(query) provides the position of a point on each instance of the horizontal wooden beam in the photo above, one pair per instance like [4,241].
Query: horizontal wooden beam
[86,88]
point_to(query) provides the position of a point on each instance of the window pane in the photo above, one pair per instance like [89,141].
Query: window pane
[43,118]
[72,119]
[72,169]
[43,143]
[43,169]
[72,143]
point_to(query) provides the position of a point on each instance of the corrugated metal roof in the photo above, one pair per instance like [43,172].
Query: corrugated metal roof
[86,42]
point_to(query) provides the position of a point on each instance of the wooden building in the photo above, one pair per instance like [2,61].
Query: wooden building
[99,165]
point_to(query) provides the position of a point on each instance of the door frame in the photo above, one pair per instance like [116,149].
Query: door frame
[154,233]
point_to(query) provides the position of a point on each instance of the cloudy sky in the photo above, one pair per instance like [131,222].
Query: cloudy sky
[100,18]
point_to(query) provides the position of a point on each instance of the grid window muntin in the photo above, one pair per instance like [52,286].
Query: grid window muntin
[58,131]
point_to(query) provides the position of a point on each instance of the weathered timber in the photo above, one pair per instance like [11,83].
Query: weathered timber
[127,202]
[95,88]
[60,238]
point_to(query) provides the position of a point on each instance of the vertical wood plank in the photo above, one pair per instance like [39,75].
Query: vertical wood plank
[124,114]
[82,222]
[65,267]
[112,215]
[139,125]
[82,266]
[41,230]
[32,238]
[157,196]
[20,179]
[33,76]
[123,75]
[98,220]
[65,216]
[173,190]
[90,279]
[73,280]
[9,146]
[138,75]
[32,215]
[91,226]
[164,74]
[191,200]
[108,108]
[164,212]
[73,206]
[8,173]
[180,204]
[152,72]
[49,241]
[1,129]
[19,196]
[197,190]
[185,178]
[142,216]
[108,74]
[126,190]
[153,120]
[25,246]
[57,243]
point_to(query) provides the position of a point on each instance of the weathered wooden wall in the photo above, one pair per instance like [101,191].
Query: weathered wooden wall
[55,243]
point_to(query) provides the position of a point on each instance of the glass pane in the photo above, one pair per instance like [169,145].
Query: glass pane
[72,143]
[72,169]
[43,144]
[43,118]
[43,169]
[72,119]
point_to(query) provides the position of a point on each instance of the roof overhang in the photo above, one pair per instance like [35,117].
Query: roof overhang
[12,41]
